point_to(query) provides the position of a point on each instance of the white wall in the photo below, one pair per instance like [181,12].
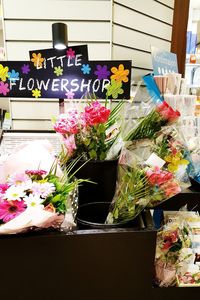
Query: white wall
[113,29]
[138,24]
[27,29]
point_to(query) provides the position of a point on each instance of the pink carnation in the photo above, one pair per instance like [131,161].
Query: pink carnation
[158,177]
[171,188]
[36,172]
[167,113]
[96,114]
[11,209]
[68,123]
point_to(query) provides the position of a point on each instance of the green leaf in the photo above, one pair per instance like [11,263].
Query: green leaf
[56,198]
[102,156]
[101,128]
[93,154]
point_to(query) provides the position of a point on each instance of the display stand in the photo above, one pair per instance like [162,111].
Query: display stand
[90,264]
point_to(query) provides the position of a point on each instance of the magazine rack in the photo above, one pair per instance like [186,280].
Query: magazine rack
[91,264]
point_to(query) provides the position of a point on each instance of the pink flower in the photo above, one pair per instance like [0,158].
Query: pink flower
[158,177]
[42,189]
[70,53]
[3,188]
[68,123]
[167,113]
[18,179]
[70,144]
[4,88]
[96,114]
[171,188]
[11,209]
[36,172]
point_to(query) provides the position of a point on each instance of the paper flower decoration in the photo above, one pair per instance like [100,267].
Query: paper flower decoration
[114,89]
[3,72]
[36,93]
[37,59]
[4,88]
[102,72]
[120,74]
[58,71]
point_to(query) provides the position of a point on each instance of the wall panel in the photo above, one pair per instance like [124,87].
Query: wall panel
[137,27]
[28,27]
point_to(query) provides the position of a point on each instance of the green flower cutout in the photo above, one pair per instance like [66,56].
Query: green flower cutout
[58,71]
[114,89]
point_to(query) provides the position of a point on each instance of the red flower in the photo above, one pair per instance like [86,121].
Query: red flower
[96,114]
[158,177]
[167,113]
[169,239]
[36,172]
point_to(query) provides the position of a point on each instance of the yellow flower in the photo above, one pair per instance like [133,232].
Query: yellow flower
[120,74]
[175,161]
[36,93]
[3,72]
[37,59]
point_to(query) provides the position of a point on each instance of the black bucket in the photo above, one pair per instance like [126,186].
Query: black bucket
[103,173]
[93,216]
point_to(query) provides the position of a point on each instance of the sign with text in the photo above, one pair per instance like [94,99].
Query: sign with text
[66,74]
[163,61]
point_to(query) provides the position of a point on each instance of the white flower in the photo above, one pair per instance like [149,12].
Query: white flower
[43,189]
[33,201]
[14,193]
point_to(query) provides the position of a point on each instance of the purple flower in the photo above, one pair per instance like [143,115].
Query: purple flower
[102,72]
[25,69]
[4,88]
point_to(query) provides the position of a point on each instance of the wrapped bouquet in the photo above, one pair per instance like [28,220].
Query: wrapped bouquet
[32,198]
[89,132]
[150,172]
[173,251]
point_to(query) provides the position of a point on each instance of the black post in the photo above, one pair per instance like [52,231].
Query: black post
[60,41]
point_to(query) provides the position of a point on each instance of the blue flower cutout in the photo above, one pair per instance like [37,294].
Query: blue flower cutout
[86,69]
[13,76]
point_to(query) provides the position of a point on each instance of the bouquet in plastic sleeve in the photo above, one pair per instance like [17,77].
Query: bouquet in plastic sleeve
[32,197]
[142,121]
[89,132]
[175,159]
[143,180]
[173,252]
[161,115]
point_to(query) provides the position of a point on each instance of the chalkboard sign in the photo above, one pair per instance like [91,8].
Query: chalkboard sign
[65,74]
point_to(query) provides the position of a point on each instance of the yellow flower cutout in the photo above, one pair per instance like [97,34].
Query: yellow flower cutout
[36,93]
[3,73]
[37,59]
[174,161]
[120,74]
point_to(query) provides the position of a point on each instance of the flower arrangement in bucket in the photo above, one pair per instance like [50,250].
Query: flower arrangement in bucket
[36,199]
[89,133]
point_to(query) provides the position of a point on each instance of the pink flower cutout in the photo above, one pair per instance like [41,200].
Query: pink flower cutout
[4,88]
[70,95]
[70,53]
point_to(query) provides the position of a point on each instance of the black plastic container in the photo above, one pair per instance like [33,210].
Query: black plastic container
[195,184]
[103,173]
[93,216]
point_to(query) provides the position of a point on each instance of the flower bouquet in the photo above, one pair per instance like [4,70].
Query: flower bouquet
[89,132]
[145,125]
[36,199]
[173,251]
[150,172]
